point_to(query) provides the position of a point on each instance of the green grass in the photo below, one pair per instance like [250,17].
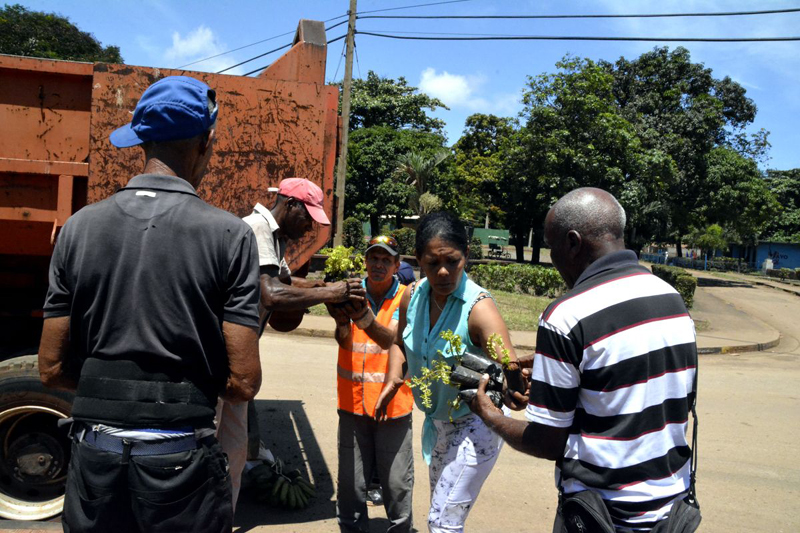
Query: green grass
[319,310]
[520,311]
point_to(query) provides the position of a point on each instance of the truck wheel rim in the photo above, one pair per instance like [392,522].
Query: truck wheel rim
[33,464]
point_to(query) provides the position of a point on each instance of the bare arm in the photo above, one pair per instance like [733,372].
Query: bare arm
[276,295]
[304,283]
[384,336]
[485,320]
[243,361]
[343,332]
[541,441]
[55,370]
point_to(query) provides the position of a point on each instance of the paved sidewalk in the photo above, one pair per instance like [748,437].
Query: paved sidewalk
[722,328]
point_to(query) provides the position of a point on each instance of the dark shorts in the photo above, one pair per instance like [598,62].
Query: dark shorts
[185,491]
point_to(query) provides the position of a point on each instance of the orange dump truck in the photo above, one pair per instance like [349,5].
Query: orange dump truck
[55,157]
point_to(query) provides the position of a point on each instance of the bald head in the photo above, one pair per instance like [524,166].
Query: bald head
[593,213]
[583,226]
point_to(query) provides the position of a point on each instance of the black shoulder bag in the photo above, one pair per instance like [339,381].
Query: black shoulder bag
[586,512]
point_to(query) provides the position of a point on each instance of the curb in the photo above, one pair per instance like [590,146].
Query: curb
[771,286]
[326,334]
[760,347]
[742,348]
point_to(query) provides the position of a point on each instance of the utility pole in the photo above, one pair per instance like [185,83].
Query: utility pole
[341,169]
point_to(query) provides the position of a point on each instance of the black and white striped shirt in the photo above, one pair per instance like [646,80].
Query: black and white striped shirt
[615,362]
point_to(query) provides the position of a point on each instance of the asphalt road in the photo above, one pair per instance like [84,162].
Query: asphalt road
[749,411]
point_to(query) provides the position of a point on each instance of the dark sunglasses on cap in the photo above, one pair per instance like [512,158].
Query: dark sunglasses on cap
[391,242]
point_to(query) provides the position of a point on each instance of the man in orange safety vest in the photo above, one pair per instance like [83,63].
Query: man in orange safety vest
[364,331]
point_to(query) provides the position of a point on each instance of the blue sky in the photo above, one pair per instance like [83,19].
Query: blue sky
[469,77]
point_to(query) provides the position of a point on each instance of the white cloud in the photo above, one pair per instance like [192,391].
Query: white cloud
[198,44]
[459,91]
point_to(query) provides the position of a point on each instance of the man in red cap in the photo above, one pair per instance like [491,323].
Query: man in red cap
[297,207]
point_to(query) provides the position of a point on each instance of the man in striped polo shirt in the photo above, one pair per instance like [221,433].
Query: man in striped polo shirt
[613,377]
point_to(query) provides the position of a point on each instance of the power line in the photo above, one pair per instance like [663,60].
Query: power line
[358,63]
[585,38]
[409,7]
[598,16]
[252,44]
[339,64]
[265,66]
[273,51]
[254,58]
[236,49]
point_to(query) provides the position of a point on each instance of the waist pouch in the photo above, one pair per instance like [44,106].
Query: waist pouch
[585,512]
[683,518]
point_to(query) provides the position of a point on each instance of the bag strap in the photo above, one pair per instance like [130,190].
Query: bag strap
[692,476]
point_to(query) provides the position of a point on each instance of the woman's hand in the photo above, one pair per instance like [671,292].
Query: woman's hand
[390,388]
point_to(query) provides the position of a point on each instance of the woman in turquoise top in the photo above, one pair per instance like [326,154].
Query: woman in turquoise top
[460,453]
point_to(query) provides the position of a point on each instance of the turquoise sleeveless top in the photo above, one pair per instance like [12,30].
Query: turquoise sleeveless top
[422,341]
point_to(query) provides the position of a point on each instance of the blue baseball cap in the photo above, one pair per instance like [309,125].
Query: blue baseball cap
[175,107]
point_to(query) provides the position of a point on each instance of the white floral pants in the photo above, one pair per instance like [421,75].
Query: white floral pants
[465,453]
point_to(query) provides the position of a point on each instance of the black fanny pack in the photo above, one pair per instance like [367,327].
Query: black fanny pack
[585,512]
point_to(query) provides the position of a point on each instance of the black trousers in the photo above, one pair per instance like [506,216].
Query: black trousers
[177,492]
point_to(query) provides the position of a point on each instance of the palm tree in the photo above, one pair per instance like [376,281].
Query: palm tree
[415,170]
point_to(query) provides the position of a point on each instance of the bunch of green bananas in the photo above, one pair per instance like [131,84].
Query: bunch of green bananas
[272,486]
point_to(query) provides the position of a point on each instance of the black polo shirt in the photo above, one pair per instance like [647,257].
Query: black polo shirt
[150,274]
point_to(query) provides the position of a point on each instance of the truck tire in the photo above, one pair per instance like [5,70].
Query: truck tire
[34,452]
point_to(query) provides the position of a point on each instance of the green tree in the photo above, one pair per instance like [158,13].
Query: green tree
[679,108]
[709,240]
[417,171]
[388,119]
[573,135]
[48,35]
[379,101]
[785,186]
[477,163]
[372,188]
[738,198]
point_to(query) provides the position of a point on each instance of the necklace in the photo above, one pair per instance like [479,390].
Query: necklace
[440,307]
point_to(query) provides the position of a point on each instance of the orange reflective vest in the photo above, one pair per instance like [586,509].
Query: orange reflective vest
[362,369]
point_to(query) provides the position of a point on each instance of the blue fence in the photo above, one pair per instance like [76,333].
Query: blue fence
[725,264]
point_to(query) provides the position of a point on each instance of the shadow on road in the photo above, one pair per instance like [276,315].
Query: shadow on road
[286,430]
[719,282]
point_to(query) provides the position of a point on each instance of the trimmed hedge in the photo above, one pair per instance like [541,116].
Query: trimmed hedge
[683,282]
[476,248]
[782,273]
[524,279]
[406,240]
[353,234]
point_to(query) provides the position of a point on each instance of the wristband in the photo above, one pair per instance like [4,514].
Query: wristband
[365,321]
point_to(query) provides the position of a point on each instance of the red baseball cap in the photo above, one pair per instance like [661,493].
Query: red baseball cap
[308,193]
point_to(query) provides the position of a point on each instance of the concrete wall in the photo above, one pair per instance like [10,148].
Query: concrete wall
[783,255]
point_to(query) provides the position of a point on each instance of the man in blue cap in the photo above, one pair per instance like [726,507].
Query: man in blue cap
[151,316]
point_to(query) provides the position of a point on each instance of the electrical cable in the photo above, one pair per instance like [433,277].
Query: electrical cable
[265,66]
[253,44]
[273,51]
[600,16]
[339,64]
[587,38]
[237,49]
[254,58]
[358,63]
[409,7]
